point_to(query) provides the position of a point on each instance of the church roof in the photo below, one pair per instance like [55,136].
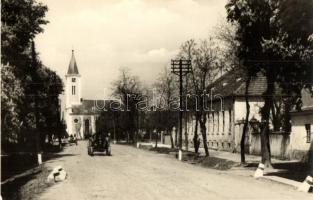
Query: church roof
[72,68]
[90,107]
[86,107]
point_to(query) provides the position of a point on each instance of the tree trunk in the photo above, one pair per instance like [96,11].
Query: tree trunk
[156,140]
[203,131]
[196,143]
[176,138]
[265,112]
[310,159]
[245,127]
[186,132]
[265,147]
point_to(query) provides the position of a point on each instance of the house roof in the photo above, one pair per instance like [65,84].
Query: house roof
[72,68]
[232,83]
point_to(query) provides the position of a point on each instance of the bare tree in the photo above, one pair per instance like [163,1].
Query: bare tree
[128,89]
[166,89]
[204,57]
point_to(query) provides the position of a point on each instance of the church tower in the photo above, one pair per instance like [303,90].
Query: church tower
[72,93]
[73,84]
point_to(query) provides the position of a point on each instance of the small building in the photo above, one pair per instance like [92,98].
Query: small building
[301,128]
[79,114]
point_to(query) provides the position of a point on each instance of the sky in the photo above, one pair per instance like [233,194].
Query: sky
[106,35]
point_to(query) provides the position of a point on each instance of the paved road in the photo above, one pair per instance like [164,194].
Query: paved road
[134,174]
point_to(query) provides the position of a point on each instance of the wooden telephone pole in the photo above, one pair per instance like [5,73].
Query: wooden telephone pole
[181,68]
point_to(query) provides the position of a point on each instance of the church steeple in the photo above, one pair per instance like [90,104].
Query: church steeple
[73,84]
[72,68]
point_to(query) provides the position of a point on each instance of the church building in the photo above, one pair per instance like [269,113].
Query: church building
[79,114]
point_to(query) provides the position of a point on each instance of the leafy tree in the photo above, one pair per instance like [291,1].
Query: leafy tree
[11,94]
[34,103]
[225,34]
[276,39]
[21,21]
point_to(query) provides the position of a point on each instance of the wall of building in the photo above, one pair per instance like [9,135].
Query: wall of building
[239,117]
[299,146]
[279,143]
[291,146]
[220,125]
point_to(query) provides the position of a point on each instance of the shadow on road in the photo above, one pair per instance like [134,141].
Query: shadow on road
[17,182]
[163,150]
[296,171]
[25,187]
[52,156]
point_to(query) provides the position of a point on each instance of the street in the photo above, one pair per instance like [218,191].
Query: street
[137,174]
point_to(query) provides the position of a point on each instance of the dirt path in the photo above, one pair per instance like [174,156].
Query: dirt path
[136,174]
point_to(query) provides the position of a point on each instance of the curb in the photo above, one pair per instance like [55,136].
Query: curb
[285,181]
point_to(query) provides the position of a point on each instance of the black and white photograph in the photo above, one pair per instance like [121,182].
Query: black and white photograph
[156,99]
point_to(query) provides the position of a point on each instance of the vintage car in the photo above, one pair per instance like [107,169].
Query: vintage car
[99,142]
[72,139]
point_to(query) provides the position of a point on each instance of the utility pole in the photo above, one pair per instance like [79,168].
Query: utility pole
[181,68]
[186,115]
